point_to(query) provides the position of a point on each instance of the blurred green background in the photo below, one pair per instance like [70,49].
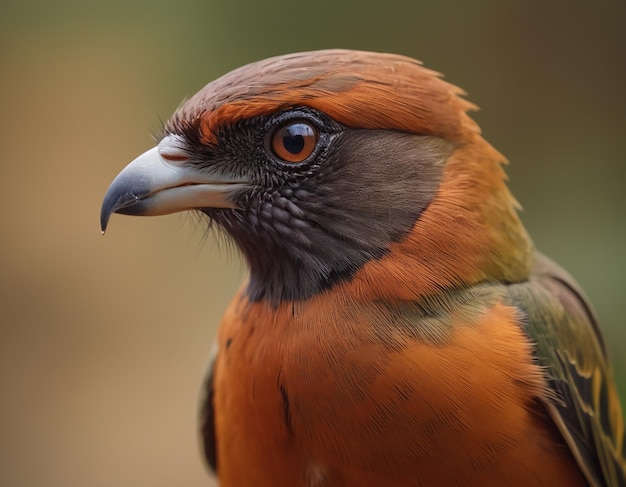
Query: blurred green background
[103,341]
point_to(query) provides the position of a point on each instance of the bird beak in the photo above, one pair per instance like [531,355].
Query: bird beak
[160,181]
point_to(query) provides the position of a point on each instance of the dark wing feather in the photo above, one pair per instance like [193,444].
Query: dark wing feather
[207,416]
[584,404]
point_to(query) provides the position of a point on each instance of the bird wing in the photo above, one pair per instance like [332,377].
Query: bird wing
[584,404]
[207,414]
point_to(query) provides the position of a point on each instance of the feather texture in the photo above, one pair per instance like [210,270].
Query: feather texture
[398,328]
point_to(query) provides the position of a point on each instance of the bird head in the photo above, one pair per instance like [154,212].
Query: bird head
[336,168]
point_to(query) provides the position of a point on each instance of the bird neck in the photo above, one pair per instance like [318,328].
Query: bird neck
[470,233]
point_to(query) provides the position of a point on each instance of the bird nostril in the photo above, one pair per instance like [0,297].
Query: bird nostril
[172,149]
[174,156]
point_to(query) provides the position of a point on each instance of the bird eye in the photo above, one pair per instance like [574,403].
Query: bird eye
[295,141]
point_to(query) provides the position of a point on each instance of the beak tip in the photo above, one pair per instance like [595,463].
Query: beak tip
[109,206]
[120,196]
[104,220]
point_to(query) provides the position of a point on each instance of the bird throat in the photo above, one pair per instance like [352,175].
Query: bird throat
[301,264]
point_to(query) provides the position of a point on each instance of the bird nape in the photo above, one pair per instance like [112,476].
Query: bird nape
[397,327]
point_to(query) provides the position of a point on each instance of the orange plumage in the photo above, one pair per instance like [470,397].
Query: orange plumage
[398,328]
[358,415]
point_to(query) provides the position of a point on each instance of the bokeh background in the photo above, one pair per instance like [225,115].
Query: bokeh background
[104,340]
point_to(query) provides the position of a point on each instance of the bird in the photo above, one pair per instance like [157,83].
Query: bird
[397,326]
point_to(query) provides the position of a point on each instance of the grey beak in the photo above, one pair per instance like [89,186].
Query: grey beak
[160,181]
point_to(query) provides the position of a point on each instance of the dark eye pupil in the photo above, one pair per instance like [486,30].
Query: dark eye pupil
[293,137]
[293,143]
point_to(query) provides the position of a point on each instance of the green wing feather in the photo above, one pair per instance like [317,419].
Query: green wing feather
[584,404]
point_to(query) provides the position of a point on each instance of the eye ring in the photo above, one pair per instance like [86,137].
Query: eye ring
[294,141]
